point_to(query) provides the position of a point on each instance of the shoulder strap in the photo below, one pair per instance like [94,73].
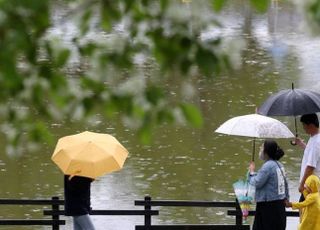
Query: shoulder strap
[280,169]
[285,180]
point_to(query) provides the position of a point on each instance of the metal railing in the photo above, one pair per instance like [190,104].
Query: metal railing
[55,213]
[148,203]
[54,202]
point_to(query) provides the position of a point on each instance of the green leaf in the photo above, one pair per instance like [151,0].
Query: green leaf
[40,133]
[62,57]
[314,11]
[85,21]
[123,103]
[144,135]
[207,61]
[154,94]
[165,115]
[110,12]
[192,114]
[110,110]
[164,4]
[88,49]
[218,4]
[260,5]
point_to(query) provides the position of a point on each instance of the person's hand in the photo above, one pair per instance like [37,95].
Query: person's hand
[252,167]
[300,142]
[301,188]
[287,203]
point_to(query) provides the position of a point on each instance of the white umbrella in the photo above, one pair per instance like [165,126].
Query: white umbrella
[256,126]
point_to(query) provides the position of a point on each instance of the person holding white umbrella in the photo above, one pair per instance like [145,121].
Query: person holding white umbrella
[259,126]
[271,189]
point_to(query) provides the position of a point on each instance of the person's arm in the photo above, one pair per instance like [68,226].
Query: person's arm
[311,198]
[307,172]
[261,177]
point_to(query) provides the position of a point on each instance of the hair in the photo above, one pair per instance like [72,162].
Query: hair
[272,149]
[310,119]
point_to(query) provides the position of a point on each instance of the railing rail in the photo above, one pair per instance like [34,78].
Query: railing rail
[31,202]
[108,212]
[252,213]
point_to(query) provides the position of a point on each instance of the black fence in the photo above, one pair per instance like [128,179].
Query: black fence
[148,203]
[52,215]
[54,221]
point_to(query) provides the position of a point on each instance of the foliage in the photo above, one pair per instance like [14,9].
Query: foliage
[311,11]
[119,59]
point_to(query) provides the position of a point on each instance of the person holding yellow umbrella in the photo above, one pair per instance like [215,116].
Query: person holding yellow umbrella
[77,201]
[82,158]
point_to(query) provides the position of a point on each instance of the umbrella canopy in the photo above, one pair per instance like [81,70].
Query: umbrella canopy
[89,154]
[256,126]
[291,102]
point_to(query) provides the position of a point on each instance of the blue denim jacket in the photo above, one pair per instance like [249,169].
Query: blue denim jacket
[270,182]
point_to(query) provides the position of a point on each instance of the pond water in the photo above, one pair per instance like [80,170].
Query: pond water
[185,163]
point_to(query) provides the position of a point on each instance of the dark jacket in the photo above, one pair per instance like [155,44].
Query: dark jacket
[77,195]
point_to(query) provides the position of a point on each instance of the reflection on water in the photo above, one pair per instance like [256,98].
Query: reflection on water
[185,163]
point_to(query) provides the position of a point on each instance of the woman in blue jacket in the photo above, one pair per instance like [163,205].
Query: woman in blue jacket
[271,189]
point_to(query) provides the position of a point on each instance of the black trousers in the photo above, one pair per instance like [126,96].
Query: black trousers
[270,215]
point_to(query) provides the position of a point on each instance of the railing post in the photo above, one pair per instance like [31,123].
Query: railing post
[147,207]
[55,208]
[238,217]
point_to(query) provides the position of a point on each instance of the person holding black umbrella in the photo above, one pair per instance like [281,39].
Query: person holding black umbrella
[311,157]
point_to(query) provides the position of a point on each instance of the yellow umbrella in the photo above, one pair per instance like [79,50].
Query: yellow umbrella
[89,154]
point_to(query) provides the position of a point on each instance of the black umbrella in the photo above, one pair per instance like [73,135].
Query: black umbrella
[291,102]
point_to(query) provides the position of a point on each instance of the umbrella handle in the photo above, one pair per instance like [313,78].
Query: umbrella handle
[293,143]
[295,127]
[253,149]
